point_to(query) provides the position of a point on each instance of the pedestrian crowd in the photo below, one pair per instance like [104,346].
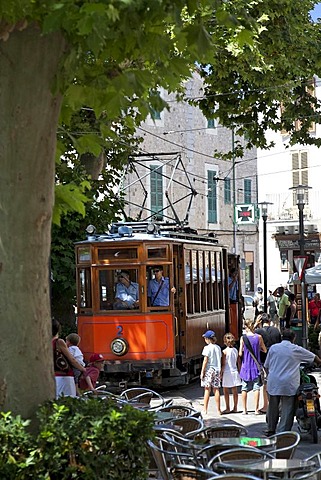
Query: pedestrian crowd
[266,362]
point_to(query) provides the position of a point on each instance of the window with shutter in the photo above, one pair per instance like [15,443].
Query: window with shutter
[211,197]
[247,190]
[211,123]
[300,172]
[156,191]
[155,114]
[227,191]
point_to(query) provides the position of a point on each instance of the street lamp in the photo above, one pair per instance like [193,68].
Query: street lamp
[301,194]
[264,213]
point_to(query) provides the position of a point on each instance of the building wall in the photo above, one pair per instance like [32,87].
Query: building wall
[274,182]
[183,133]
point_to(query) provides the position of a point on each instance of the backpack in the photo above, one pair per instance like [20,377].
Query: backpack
[61,363]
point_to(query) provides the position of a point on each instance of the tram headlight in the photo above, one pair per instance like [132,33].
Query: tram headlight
[91,229]
[119,346]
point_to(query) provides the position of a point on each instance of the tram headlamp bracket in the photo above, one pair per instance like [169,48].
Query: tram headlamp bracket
[119,346]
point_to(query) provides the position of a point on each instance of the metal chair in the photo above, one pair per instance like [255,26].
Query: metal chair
[152,399]
[166,456]
[240,453]
[189,426]
[207,453]
[180,411]
[226,430]
[182,444]
[189,472]
[286,443]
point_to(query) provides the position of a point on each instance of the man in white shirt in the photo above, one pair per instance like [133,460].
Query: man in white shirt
[283,366]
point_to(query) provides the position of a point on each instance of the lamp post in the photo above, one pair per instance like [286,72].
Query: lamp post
[301,193]
[264,213]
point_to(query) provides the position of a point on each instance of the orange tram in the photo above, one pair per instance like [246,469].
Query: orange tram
[155,340]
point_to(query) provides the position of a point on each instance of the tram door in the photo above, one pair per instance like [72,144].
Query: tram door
[178,307]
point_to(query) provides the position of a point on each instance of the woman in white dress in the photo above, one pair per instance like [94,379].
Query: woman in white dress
[230,373]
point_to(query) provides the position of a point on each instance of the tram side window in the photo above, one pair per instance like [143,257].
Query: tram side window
[203,281]
[85,288]
[119,289]
[189,282]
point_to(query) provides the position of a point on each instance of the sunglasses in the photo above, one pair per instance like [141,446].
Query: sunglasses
[156,270]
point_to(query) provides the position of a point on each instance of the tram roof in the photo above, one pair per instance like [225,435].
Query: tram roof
[143,231]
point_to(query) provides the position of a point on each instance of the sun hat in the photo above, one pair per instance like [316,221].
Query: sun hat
[209,334]
[96,357]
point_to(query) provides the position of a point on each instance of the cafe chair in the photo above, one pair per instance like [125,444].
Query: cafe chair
[208,452]
[286,443]
[240,453]
[189,426]
[180,411]
[166,456]
[176,438]
[226,430]
[190,472]
[152,399]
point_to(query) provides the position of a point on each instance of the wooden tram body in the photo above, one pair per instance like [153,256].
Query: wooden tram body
[151,345]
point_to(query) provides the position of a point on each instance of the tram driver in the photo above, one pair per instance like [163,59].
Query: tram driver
[127,292]
[158,289]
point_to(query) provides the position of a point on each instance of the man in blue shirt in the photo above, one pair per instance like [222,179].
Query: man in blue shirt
[127,293]
[158,289]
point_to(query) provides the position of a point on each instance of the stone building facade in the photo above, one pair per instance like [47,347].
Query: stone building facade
[176,177]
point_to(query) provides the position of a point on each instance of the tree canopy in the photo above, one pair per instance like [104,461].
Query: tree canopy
[272,86]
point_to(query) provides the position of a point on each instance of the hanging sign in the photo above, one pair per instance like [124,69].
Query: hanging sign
[300,264]
[244,214]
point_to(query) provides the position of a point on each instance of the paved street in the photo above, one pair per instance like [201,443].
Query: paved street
[254,423]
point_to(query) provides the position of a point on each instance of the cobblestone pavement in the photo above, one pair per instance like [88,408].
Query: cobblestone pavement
[193,395]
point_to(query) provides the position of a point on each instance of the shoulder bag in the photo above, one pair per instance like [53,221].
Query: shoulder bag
[262,372]
[61,363]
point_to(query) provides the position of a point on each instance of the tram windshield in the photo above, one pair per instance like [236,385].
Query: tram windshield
[119,289]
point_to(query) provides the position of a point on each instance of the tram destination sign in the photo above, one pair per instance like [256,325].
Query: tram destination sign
[245,214]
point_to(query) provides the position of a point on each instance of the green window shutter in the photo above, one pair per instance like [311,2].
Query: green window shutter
[227,191]
[247,190]
[211,123]
[300,173]
[211,197]
[156,191]
[155,114]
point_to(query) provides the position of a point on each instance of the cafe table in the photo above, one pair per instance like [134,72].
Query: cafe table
[257,442]
[276,467]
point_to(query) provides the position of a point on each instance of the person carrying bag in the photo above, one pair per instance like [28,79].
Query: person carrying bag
[262,371]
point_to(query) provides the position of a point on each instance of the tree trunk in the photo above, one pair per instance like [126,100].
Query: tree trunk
[28,126]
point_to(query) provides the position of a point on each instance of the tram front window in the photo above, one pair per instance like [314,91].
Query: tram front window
[119,289]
